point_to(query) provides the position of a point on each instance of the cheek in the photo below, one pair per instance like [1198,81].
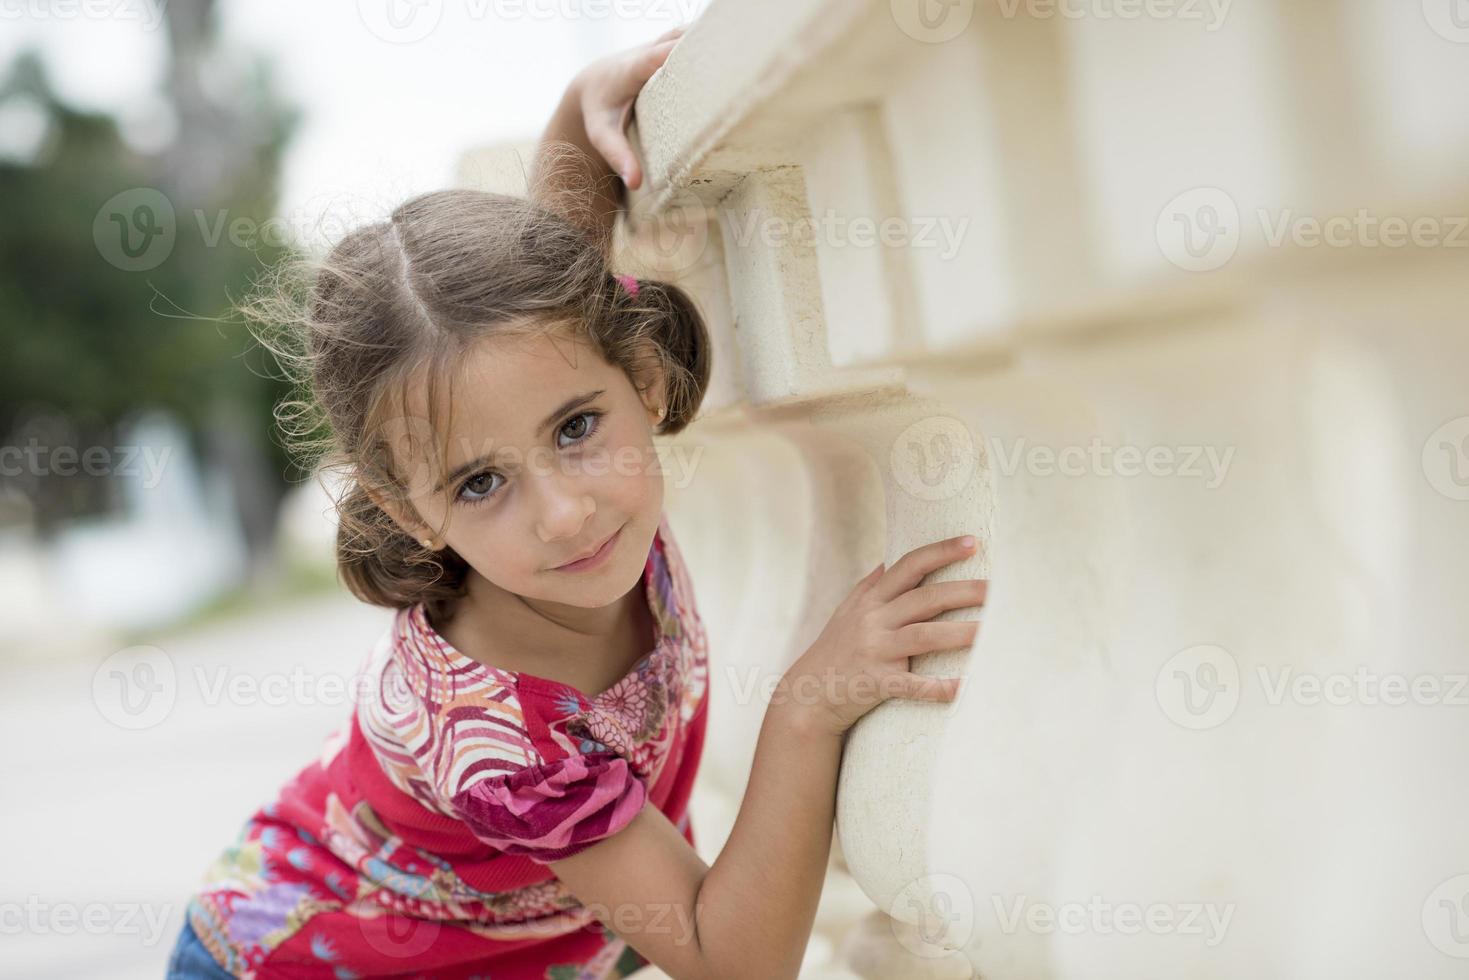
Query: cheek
[622,456]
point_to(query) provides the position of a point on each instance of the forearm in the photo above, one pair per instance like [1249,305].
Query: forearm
[581,185]
[758,901]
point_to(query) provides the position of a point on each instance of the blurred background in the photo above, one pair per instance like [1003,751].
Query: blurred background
[1180,229]
[154,158]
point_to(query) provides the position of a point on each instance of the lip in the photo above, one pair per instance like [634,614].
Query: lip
[595,559]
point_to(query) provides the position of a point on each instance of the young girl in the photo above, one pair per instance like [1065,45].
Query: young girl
[508,798]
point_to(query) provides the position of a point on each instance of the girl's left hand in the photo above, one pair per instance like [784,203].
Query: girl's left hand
[608,89]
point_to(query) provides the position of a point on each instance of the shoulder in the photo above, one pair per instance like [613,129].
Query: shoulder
[436,716]
[550,811]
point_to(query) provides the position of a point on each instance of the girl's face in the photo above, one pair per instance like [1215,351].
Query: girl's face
[549,453]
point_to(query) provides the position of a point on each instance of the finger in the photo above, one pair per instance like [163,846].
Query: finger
[950,634]
[927,601]
[613,146]
[909,570]
[919,687]
[672,32]
[644,63]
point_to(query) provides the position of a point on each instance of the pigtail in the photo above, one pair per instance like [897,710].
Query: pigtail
[667,316]
[382,564]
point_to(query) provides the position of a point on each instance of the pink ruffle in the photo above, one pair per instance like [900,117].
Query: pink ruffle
[553,810]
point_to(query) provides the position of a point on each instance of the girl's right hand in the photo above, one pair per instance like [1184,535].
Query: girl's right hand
[861,657]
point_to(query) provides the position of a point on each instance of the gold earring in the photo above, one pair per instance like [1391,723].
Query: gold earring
[428,543]
[661,411]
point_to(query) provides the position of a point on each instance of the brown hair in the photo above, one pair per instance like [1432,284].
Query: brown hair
[406,297]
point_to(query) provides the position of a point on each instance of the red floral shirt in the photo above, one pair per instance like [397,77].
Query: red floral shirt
[417,843]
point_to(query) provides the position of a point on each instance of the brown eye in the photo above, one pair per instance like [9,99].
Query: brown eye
[478,487]
[585,424]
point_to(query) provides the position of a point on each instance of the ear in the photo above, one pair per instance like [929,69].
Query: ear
[405,517]
[650,386]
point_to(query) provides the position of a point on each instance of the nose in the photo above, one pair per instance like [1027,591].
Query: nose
[564,509]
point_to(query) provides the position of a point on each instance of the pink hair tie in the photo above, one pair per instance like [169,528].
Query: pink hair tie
[630,283]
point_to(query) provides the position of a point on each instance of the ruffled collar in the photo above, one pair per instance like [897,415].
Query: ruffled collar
[431,661]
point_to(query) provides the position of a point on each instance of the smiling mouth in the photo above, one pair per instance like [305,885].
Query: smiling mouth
[601,549]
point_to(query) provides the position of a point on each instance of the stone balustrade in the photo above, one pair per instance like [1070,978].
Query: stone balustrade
[1167,301]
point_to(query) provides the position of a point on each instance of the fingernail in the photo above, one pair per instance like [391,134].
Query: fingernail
[967,541]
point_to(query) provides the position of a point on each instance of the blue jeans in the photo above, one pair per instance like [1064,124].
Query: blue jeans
[191,961]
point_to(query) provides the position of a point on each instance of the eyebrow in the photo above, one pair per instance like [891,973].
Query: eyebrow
[574,402]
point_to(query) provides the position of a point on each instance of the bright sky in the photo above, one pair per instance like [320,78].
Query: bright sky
[393,91]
